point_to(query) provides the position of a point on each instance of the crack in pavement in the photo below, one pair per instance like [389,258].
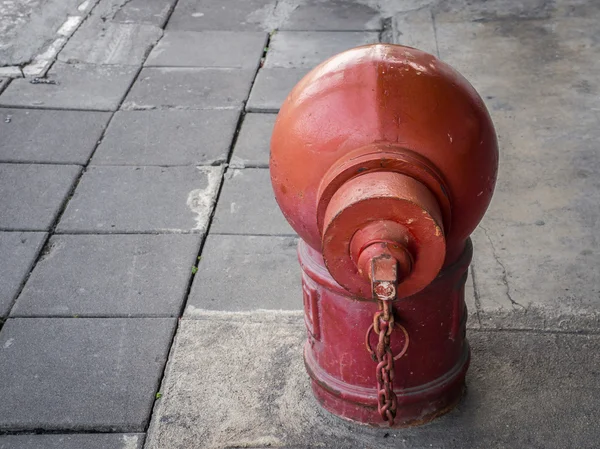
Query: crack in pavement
[504,272]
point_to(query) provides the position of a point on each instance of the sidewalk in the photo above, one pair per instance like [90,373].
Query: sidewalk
[149,285]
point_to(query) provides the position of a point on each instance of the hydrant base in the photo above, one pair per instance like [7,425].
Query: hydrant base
[415,407]
[429,376]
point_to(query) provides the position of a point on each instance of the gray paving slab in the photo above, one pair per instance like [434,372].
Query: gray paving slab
[507,10]
[170,137]
[27,26]
[524,390]
[3,83]
[109,43]
[81,374]
[110,275]
[232,49]
[333,15]
[537,250]
[272,87]
[240,273]
[150,12]
[76,86]
[73,441]
[142,199]
[189,88]
[68,137]
[252,145]
[199,15]
[32,195]
[416,29]
[18,252]
[307,49]
[247,205]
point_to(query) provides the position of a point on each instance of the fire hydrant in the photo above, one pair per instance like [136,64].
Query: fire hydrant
[384,160]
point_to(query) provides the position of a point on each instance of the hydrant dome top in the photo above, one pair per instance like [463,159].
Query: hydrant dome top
[389,95]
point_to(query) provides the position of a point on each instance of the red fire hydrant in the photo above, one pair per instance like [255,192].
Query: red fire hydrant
[384,159]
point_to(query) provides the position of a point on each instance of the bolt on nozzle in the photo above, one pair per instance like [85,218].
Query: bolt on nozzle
[384,277]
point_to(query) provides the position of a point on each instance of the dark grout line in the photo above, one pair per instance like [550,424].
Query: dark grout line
[26,277]
[121,232]
[3,86]
[88,317]
[68,431]
[6,162]
[52,108]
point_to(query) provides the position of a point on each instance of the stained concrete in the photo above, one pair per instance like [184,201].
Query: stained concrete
[238,380]
[537,250]
[26,26]
[106,43]
[142,199]
[73,441]
[149,12]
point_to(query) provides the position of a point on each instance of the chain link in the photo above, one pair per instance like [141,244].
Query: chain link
[384,280]
[383,325]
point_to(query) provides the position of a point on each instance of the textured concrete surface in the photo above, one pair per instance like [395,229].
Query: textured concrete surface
[416,29]
[271,88]
[26,26]
[537,250]
[150,12]
[73,86]
[99,42]
[67,137]
[239,272]
[306,49]
[252,147]
[199,15]
[18,251]
[189,88]
[247,205]
[229,49]
[142,199]
[3,83]
[333,15]
[81,373]
[32,195]
[76,441]
[110,275]
[524,390]
[172,137]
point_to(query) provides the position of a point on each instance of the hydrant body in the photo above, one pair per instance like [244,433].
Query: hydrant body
[384,159]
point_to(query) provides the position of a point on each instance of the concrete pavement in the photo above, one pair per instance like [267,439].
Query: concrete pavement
[137,209]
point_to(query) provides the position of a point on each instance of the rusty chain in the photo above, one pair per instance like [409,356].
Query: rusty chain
[384,281]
